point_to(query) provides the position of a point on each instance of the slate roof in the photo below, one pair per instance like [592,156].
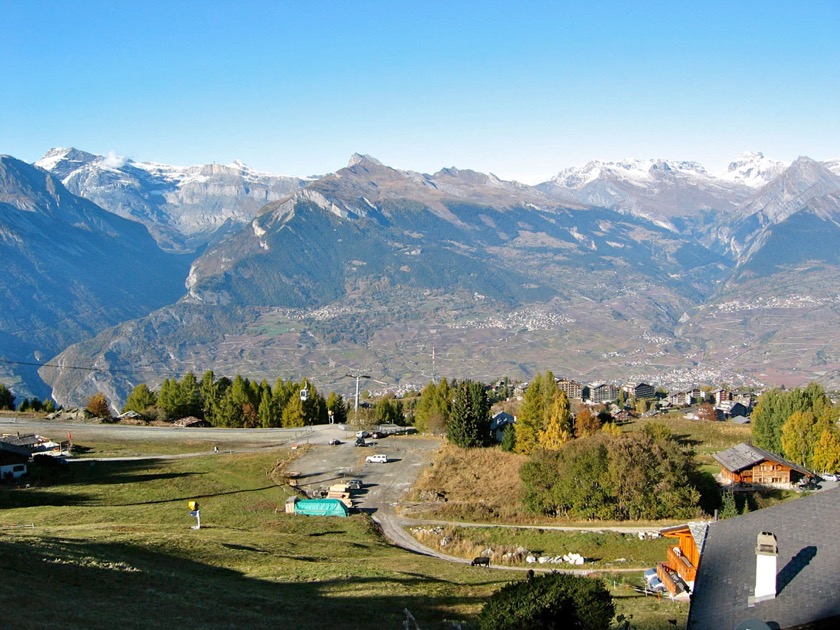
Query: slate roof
[808,567]
[742,456]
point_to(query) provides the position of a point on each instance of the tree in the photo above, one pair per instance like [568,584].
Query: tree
[141,399]
[509,438]
[389,411]
[587,423]
[558,426]
[469,421]
[336,404]
[7,398]
[728,507]
[534,413]
[434,405]
[554,600]
[774,407]
[268,412]
[98,405]
[188,397]
[827,452]
[707,412]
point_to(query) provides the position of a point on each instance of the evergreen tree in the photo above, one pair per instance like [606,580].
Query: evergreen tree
[336,404]
[292,415]
[7,398]
[434,406]
[469,421]
[141,399]
[509,438]
[268,412]
[189,397]
[728,507]
[25,405]
[167,399]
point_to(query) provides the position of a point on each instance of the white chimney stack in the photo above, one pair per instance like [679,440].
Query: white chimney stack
[766,554]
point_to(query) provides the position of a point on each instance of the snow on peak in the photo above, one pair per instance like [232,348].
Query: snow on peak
[639,171]
[753,169]
[357,158]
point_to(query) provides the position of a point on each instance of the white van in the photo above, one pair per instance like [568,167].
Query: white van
[377,459]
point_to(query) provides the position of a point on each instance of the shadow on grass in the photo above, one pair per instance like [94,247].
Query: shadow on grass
[146,588]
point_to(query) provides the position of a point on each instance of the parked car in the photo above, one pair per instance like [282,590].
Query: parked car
[829,477]
[335,442]
[355,484]
[378,435]
[362,434]
[361,442]
[377,459]
[656,585]
[649,575]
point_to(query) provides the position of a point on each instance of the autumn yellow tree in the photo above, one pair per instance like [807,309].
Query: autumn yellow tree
[98,405]
[800,434]
[587,423]
[827,452]
[557,429]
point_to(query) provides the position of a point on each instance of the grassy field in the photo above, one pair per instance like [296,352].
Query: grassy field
[112,545]
[603,550]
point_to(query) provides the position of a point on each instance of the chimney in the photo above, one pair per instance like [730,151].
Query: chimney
[766,553]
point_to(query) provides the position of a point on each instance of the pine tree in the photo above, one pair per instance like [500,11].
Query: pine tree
[7,398]
[509,438]
[469,422]
[141,399]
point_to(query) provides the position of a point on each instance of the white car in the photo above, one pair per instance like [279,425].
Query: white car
[829,477]
[377,459]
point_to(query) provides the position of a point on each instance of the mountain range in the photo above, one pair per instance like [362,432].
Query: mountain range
[640,270]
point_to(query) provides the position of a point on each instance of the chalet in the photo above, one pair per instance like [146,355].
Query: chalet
[13,460]
[771,568]
[679,571]
[499,423]
[745,464]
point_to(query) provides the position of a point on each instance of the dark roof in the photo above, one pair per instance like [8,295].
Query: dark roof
[742,456]
[9,447]
[808,567]
[501,419]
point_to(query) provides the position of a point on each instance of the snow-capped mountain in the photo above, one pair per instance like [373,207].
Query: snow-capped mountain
[753,169]
[183,207]
[659,190]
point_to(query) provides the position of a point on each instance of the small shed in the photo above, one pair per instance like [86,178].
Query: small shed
[320,507]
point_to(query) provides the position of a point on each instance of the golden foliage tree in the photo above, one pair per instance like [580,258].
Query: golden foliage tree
[557,429]
[98,405]
[800,434]
[587,423]
[827,452]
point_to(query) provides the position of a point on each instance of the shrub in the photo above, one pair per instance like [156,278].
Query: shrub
[552,601]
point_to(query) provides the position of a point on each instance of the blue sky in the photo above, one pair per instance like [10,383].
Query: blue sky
[521,90]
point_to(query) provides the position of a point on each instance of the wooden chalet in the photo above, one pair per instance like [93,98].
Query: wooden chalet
[679,570]
[746,464]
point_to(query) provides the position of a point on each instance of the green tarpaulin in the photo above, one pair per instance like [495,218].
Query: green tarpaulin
[320,507]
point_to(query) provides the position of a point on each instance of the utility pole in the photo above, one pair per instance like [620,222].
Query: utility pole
[356,407]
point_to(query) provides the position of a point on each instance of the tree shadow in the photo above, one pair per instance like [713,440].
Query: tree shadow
[150,588]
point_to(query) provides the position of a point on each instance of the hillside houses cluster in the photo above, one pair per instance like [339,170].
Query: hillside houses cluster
[728,405]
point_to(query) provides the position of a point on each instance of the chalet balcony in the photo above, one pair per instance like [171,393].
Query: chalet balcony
[682,565]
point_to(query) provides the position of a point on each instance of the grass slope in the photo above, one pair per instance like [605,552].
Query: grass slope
[112,545]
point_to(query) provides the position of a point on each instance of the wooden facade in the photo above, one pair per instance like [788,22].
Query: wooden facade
[682,560]
[746,464]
